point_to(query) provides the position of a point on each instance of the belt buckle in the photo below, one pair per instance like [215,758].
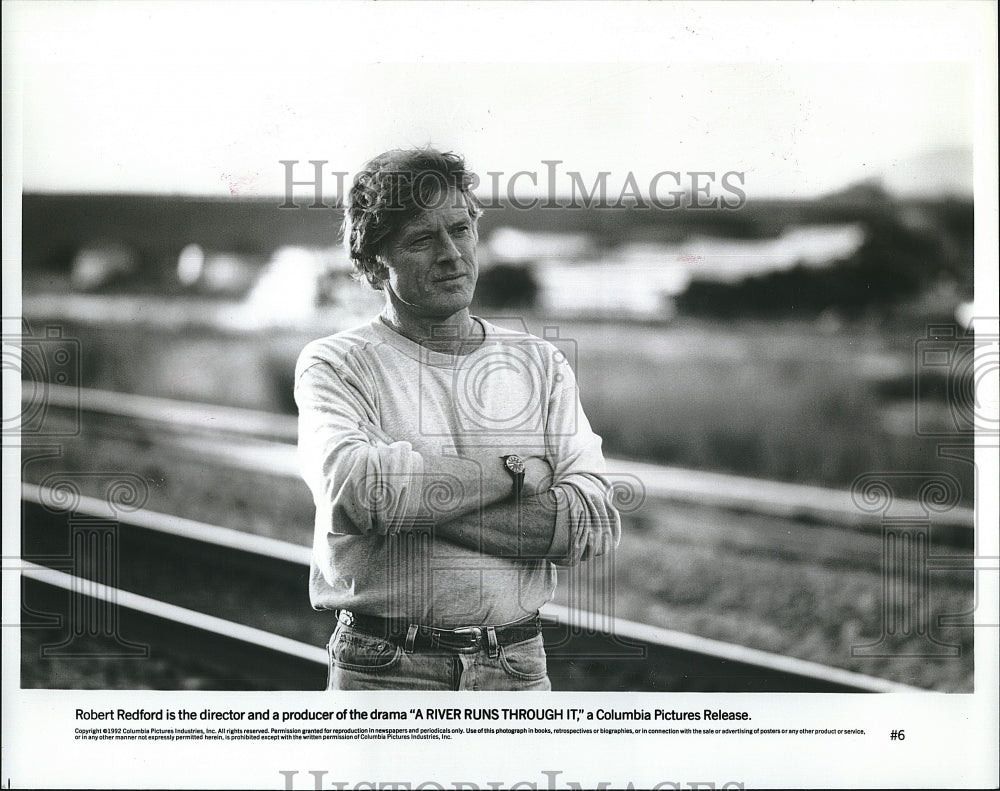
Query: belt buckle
[476,632]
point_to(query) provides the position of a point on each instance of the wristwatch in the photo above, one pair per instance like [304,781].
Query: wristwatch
[515,466]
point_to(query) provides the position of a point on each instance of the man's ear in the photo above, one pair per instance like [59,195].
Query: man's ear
[381,270]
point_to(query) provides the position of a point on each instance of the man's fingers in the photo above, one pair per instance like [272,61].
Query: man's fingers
[375,433]
[537,475]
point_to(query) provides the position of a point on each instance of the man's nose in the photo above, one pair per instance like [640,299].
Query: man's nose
[448,251]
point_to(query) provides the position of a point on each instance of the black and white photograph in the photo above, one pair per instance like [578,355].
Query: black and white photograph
[364,363]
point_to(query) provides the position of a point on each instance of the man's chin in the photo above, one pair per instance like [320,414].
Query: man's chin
[451,303]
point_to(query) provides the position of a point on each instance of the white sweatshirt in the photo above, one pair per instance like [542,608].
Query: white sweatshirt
[372,551]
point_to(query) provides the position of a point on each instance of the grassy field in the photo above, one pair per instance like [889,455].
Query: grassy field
[783,401]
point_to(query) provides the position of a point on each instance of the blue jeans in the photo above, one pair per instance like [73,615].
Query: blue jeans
[363,661]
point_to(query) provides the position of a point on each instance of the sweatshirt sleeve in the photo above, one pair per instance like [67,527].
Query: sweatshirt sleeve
[587,522]
[358,486]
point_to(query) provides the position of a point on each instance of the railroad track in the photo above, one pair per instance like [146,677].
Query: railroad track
[123,584]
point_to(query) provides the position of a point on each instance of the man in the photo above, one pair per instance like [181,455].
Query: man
[450,462]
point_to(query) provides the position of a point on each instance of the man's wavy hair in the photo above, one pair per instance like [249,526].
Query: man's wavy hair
[392,189]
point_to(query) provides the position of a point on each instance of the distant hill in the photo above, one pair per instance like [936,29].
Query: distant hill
[945,172]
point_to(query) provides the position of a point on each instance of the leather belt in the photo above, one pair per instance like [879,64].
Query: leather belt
[461,640]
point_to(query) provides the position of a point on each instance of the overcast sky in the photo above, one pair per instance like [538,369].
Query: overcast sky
[191,98]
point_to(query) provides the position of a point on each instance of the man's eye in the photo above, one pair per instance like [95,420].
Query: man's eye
[463,231]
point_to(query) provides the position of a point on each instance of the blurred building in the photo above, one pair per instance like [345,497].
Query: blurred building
[640,280]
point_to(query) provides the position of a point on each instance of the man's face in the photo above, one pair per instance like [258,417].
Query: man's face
[431,261]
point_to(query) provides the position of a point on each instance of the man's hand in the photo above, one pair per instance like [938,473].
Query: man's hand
[537,476]
[375,435]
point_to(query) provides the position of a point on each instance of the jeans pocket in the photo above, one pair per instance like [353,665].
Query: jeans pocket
[524,661]
[352,650]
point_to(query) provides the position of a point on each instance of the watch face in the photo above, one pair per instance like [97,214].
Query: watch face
[514,464]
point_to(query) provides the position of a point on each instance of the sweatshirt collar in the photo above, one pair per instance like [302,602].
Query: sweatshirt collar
[427,356]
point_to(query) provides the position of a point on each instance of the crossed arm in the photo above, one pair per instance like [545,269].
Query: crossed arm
[482,512]
[563,522]
[364,481]
[538,532]
[505,530]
